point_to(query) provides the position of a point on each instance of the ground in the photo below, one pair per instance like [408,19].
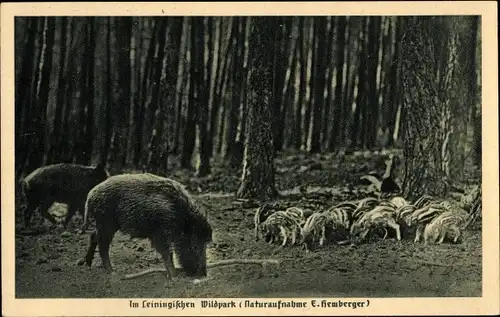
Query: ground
[46,261]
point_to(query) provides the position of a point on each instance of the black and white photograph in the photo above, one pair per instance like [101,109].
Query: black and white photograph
[247,156]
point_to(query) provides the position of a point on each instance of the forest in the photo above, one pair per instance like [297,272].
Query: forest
[256,108]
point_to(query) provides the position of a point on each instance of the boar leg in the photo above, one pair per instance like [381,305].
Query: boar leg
[91,250]
[442,235]
[283,236]
[457,235]
[396,227]
[45,213]
[162,246]
[104,238]
[71,212]
[28,213]
[419,233]
[294,236]
[323,236]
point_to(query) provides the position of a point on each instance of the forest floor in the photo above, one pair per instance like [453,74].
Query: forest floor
[46,261]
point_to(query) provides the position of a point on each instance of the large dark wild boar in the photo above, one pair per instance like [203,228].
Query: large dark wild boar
[64,183]
[153,207]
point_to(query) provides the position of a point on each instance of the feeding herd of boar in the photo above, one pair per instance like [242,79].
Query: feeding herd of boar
[160,209]
[140,205]
[359,221]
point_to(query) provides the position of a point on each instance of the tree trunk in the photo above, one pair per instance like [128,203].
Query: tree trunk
[71,82]
[108,122]
[221,66]
[427,96]
[283,48]
[311,48]
[372,106]
[258,169]
[236,77]
[349,82]
[357,136]
[90,91]
[330,72]
[24,84]
[123,36]
[155,115]
[290,98]
[189,132]
[36,158]
[54,138]
[338,114]
[158,145]
[318,87]
[202,97]
[182,84]
[302,85]
[475,96]
[244,84]
[79,147]
[141,100]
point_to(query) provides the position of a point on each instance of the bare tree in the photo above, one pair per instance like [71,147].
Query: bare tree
[338,113]
[318,86]
[108,125]
[36,157]
[258,169]
[202,97]
[427,79]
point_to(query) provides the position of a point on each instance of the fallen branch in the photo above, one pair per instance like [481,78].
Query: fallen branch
[241,261]
[209,265]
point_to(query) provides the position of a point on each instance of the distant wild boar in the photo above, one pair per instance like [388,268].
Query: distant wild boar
[63,183]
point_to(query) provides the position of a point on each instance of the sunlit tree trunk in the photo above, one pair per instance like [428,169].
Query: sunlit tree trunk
[429,49]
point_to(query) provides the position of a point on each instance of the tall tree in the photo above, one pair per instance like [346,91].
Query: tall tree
[140,102]
[108,124]
[372,106]
[24,85]
[189,137]
[427,79]
[181,87]
[289,97]
[36,157]
[320,24]
[61,89]
[475,96]
[330,72]
[283,47]
[357,134]
[123,37]
[202,97]
[214,103]
[154,111]
[394,96]
[90,90]
[158,144]
[302,84]
[311,45]
[235,82]
[338,114]
[71,79]
[258,169]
